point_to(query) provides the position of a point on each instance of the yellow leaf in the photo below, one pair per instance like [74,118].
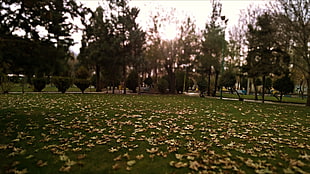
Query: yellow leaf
[139,157]
[131,163]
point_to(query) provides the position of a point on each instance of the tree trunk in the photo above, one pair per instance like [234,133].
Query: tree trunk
[124,78]
[263,92]
[308,92]
[113,87]
[301,90]
[215,83]
[172,82]
[255,88]
[209,83]
[98,85]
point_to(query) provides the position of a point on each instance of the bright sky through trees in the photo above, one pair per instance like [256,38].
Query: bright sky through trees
[198,10]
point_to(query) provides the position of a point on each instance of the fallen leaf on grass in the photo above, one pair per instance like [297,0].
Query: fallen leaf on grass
[63,157]
[179,156]
[65,168]
[178,164]
[40,163]
[29,156]
[194,165]
[80,156]
[126,155]
[15,171]
[139,157]
[131,163]
[152,150]
[305,156]
[118,158]
[116,166]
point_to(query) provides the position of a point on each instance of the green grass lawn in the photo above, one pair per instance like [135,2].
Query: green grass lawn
[268,98]
[102,133]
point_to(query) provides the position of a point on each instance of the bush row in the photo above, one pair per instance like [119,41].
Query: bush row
[61,83]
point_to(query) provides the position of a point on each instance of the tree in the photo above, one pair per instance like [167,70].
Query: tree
[153,53]
[213,46]
[131,36]
[285,85]
[99,44]
[293,16]
[265,56]
[30,52]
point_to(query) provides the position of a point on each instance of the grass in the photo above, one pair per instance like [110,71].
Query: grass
[268,98]
[103,133]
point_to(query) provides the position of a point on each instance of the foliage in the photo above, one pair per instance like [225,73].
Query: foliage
[62,83]
[293,18]
[162,85]
[133,81]
[31,52]
[213,46]
[5,84]
[228,79]
[268,84]
[202,85]
[148,81]
[82,73]
[82,80]
[39,83]
[258,82]
[266,55]
[112,41]
[285,85]
[82,84]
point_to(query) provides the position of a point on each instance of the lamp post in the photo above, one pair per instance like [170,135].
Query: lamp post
[223,50]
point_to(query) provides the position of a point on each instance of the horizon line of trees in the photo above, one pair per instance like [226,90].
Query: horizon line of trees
[267,44]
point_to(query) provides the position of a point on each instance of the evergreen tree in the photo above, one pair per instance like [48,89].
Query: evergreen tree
[265,55]
[29,52]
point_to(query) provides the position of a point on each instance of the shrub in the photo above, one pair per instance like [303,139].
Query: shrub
[82,78]
[82,73]
[133,81]
[5,84]
[82,84]
[39,84]
[285,85]
[148,81]
[228,79]
[62,83]
[162,85]
[202,86]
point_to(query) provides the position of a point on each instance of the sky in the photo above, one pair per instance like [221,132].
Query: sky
[199,10]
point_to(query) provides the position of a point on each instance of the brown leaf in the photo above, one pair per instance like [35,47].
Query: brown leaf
[40,163]
[80,156]
[139,157]
[118,158]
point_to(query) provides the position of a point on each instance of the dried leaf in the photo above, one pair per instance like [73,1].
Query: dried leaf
[40,163]
[139,157]
[131,163]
